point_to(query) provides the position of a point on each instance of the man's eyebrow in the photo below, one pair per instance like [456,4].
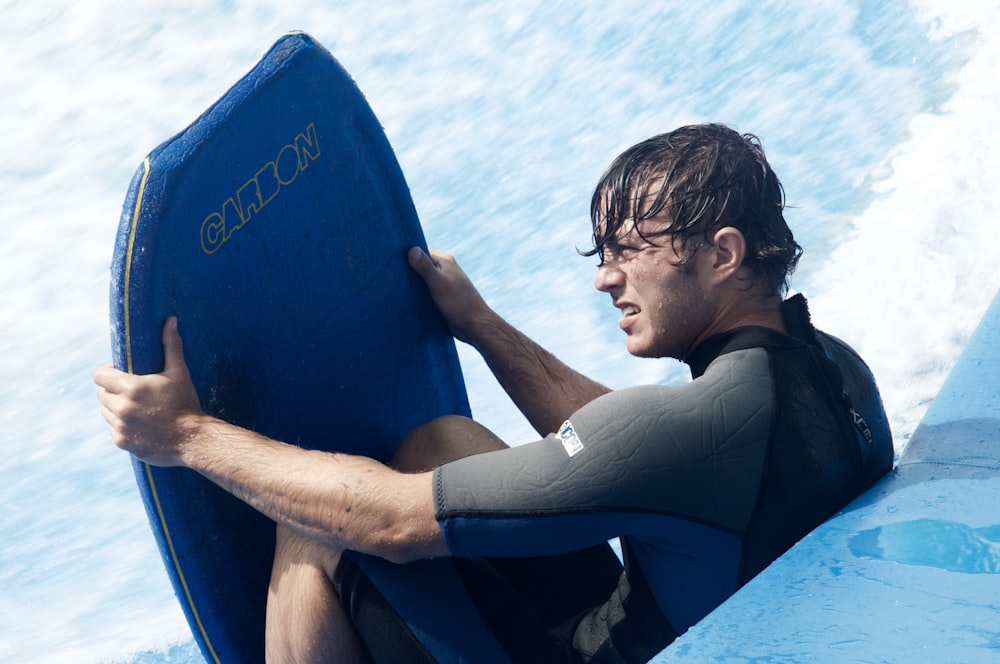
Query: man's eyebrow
[628,235]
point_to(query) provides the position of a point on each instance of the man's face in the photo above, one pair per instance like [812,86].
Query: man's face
[664,307]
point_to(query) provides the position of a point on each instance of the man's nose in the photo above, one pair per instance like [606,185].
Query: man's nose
[608,277]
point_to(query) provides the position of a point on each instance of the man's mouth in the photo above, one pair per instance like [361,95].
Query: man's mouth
[629,312]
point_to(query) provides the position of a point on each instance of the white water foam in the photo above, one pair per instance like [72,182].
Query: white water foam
[915,273]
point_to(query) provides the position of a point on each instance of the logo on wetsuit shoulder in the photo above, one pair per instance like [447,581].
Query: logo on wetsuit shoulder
[570,441]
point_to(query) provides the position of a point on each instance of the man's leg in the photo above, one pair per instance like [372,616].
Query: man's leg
[306,621]
[441,440]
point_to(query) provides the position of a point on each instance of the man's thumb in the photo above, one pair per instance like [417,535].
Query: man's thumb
[173,348]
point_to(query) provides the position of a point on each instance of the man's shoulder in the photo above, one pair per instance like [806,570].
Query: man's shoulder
[724,344]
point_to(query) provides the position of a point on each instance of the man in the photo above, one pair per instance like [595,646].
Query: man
[706,483]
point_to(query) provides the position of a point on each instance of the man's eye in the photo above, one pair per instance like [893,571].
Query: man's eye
[618,252]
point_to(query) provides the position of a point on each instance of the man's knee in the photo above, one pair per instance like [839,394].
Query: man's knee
[294,549]
[441,440]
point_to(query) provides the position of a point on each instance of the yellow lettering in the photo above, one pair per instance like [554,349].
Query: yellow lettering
[254,194]
[286,165]
[229,212]
[249,199]
[213,231]
[267,183]
[307,139]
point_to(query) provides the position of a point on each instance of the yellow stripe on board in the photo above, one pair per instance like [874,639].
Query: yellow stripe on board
[177,563]
[149,470]
[128,261]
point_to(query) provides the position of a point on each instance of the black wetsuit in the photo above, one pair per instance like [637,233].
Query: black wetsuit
[705,483]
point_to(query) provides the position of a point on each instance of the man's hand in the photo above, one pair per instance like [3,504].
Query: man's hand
[453,292]
[152,416]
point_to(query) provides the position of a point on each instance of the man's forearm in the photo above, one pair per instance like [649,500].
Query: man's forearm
[347,501]
[544,388]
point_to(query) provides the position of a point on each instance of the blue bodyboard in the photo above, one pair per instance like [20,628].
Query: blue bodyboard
[910,571]
[275,227]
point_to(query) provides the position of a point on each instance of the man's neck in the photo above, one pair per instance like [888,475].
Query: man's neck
[752,308]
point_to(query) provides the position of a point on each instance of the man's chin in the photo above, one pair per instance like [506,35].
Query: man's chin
[637,348]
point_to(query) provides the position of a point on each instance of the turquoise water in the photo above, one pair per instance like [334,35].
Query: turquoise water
[877,117]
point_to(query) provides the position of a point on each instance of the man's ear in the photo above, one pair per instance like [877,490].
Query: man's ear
[727,251]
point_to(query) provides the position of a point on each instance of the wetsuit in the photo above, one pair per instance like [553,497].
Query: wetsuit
[706,483]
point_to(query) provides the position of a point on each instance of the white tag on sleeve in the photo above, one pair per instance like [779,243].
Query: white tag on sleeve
[570,441]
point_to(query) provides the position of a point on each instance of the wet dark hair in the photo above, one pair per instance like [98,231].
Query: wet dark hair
[709,176]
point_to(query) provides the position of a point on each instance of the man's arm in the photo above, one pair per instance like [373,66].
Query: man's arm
[545,389]
[347,501]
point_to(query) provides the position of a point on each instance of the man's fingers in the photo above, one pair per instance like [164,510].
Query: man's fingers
[428,263]
[438,256]
[111,417]
[111,406]
[110,379]
[414,256]
[120,405]
[421,263]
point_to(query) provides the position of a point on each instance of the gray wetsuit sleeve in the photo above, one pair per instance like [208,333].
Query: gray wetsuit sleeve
[683,450]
